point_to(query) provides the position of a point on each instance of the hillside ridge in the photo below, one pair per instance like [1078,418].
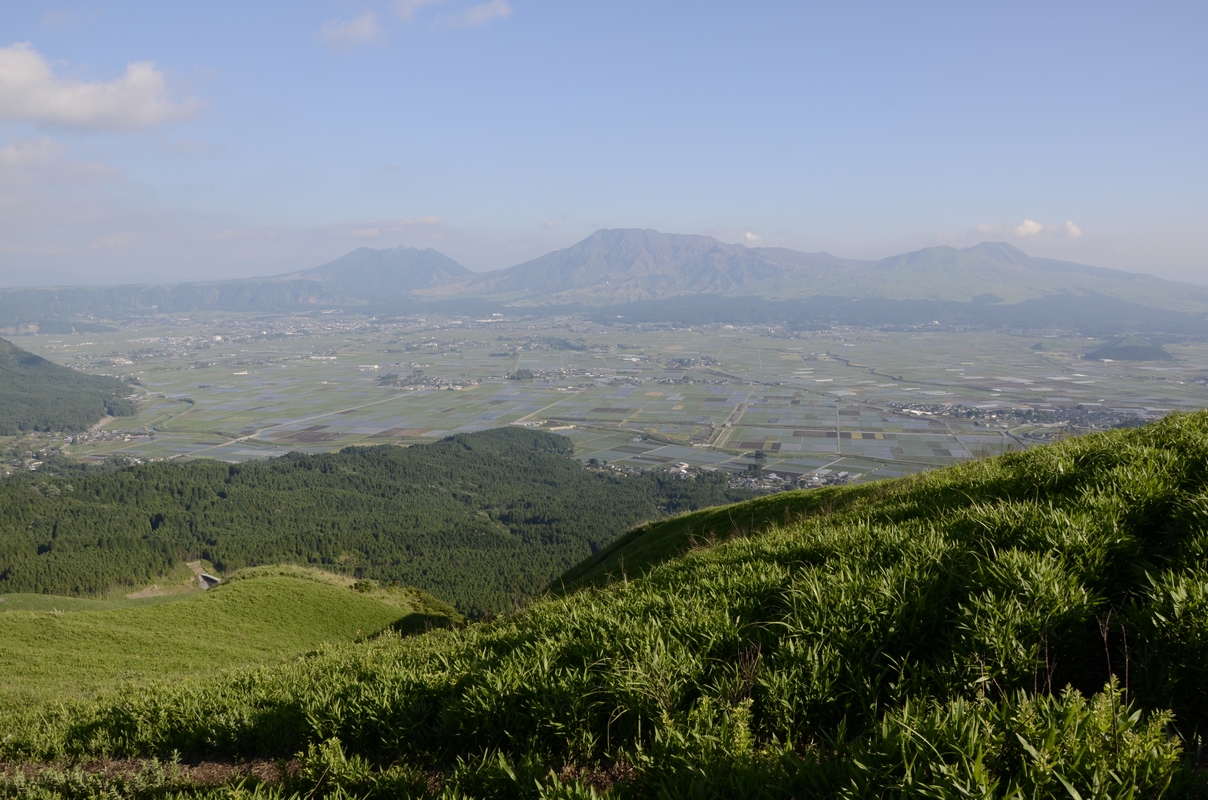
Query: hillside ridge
[39,395]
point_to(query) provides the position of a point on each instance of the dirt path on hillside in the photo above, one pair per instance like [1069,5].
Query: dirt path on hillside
[156,590]
[204,579]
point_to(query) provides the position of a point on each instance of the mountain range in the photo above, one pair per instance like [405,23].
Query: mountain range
[627,266]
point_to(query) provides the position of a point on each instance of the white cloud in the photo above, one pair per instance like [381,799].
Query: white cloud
[549,224]
[347,34]
[1031,229]
[407,9]
[753,239]
[28,153]
[30,91]
[483,13]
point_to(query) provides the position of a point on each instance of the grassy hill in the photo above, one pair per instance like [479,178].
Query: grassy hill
[79,647]
[1129,348]
[39,395]
[1034,625]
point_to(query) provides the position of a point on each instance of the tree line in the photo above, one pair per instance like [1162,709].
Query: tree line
[482,520]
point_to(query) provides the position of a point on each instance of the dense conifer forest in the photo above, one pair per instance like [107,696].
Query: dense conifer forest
[39,395]
[482,520]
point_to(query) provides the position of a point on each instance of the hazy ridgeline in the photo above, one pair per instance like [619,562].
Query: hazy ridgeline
[943,635]
[482,520]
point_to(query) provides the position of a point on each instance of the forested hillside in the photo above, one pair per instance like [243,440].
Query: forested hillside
[39,395]
[1034,625]
[482,520]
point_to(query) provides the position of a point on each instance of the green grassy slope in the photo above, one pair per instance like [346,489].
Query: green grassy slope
[647,546]
[945,635]
[49,655]
[39,395]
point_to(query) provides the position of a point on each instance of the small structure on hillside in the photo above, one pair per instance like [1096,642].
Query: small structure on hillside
[207,581]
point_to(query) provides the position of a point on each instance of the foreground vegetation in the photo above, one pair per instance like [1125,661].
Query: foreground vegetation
[39,395]
[482,520]
[1033,625]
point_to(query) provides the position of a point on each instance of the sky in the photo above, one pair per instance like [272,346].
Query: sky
[152,141]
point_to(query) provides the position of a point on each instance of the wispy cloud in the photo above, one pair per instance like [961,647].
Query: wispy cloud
[43,165]
[28,152]
[349,34]
[1031,229]
[31,92]
[407,9]
[59,17]
[475,15]
[112,240]
[752,239]
[430,227]
[486,12]
[376,231]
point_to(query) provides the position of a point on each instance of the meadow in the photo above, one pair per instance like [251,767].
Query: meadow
[1031,625]
[77,648]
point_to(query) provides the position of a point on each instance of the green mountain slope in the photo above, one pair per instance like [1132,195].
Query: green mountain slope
[909,638]
[39,395]
[482,520]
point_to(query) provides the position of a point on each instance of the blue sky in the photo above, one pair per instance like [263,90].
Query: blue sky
[144,140]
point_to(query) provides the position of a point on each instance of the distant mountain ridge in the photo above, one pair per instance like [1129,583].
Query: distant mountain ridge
[394,272]
[362,276]
[623,265]
[620,266]
[612,267]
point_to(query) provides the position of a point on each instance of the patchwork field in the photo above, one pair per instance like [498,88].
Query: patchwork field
[866,402]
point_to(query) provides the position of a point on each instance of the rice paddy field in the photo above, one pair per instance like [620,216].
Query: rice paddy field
[867,402]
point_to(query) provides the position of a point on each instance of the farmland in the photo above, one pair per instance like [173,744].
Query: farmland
[812,404]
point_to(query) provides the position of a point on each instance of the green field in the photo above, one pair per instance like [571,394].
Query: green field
[1031,625]
[828,401]
[76,647]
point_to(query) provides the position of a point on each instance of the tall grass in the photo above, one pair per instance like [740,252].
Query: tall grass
[1032,625]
